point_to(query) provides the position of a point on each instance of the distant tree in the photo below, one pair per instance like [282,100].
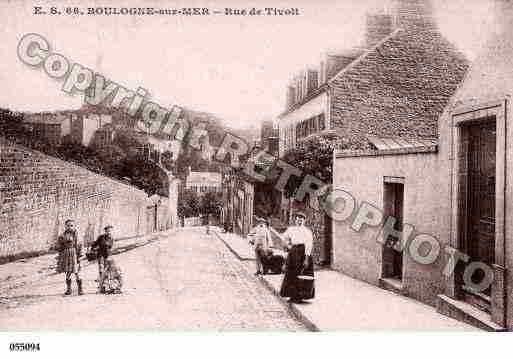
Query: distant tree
[211,203]
[315,157]
[145,175]
[127,141]
[188,204]
[168,161]
[190,158]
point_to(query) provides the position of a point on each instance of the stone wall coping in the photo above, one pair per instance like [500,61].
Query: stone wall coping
[395,151]
[4,141]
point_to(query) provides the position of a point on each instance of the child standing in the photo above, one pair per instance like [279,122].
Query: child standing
[70,251]
[261,240]
[104,243]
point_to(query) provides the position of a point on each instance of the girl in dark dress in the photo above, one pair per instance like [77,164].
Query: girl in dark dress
[70,251]
[298,283]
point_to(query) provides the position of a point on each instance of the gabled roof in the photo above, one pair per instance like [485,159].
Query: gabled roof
[399,88]
[348,56]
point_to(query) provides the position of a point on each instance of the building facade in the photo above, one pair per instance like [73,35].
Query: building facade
[202,182]
[457,191]
[85,126]
[269,137]
[51,127]
[391,85]
[237,213]
[395,85]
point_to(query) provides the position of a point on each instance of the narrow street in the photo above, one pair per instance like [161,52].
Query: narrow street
[187,281]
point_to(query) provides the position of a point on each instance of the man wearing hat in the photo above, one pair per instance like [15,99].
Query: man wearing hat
[104,243]
[298,281]
[260,239]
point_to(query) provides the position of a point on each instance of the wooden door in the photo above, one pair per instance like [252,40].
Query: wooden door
[398,214]
[393,207]
[481,194]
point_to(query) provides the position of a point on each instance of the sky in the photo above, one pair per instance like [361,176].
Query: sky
[236,67]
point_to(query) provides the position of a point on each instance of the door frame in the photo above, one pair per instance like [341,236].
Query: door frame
[386,251]
[461,116]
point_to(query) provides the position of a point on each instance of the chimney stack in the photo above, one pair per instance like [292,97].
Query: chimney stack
[415,14]
[378,26]
[504,14]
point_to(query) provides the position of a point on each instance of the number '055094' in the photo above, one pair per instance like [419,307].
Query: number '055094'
[24,347]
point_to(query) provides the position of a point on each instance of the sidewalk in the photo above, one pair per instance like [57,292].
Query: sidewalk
[236,244]
[24,271]
[344,303]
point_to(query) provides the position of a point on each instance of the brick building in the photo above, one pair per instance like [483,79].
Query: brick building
[457,190]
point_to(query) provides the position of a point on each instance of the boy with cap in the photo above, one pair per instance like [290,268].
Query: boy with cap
[104,242]
[260,239]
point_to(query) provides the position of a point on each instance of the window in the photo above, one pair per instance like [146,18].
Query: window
[322,123]
[310,126]
[313,124]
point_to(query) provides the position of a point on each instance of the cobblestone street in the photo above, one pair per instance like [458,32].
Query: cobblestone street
[186,281]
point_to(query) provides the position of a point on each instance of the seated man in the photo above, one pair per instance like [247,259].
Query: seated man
[272,262]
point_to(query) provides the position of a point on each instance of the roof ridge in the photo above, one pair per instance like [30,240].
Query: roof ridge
[365,54]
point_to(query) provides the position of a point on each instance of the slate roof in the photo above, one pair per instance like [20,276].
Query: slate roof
[393,143]
[399,88]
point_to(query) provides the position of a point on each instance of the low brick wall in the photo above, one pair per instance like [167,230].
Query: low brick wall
[38,193]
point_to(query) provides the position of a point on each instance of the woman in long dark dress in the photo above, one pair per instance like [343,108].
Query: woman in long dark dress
[298,283]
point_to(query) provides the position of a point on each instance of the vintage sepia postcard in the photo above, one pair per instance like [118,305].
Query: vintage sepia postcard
[251,166]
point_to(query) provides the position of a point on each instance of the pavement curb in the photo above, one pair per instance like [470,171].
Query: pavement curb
[291,307]
[231,249]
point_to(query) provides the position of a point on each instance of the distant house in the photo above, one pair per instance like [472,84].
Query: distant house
[51,127]
[104,136]
[149,144]
[269,137]
[238,203]
[202,182]
[84,127]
